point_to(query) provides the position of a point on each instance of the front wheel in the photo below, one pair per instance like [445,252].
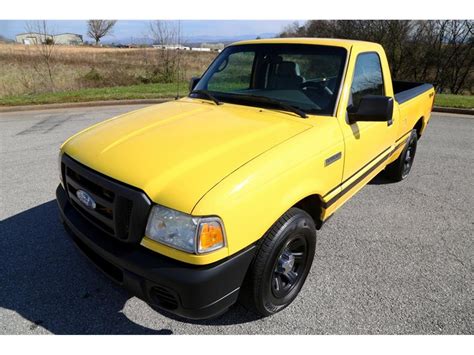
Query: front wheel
[281,264]
[400,168]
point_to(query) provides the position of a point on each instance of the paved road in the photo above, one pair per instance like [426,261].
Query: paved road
[397,258]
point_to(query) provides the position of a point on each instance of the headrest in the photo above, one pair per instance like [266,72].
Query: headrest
[287,69]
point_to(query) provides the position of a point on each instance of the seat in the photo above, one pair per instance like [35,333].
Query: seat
[287,76]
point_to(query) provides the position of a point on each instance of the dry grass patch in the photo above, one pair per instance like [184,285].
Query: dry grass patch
[22,70]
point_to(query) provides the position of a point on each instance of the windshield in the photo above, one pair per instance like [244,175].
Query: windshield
[306,77]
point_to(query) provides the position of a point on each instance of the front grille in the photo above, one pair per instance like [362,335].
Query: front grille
[102,215]
[120,210]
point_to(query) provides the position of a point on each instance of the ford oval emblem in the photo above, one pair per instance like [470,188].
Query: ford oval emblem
[86,199]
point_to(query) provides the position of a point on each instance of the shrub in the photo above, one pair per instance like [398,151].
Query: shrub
[92,76]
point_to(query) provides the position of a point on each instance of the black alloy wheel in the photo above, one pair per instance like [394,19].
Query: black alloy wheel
[281,264]
[400,168]
[408,158]
[289,266]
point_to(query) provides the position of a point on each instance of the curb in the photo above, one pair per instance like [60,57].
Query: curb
[84,104]
[460,111]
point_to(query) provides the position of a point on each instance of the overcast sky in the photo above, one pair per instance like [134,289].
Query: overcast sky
[126,29]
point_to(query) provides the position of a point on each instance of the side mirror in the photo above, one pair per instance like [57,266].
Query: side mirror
[372,108]
[193,82]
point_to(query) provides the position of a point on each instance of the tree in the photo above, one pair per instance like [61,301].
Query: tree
[45,49]
[166,35]
[97,29]
[165,32]
[459,51]
[436,51]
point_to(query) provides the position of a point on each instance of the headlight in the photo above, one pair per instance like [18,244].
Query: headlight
[185,232]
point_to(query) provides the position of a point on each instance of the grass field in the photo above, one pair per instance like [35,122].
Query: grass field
[141,91]
[24,70]
[460,101]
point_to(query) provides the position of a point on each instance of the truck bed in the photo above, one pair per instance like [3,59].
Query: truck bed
[406,90]
[415,104]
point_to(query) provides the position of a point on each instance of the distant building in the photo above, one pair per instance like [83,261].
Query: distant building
[200,49]
[32,38]
[204,47]
[171,46]
[217,47]
[70,39]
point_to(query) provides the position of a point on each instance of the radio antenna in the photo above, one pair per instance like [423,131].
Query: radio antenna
[179,49]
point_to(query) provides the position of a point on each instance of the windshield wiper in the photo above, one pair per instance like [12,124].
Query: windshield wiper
[206,94]
[264,99]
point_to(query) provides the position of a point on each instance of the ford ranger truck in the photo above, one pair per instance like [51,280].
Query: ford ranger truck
[195,204]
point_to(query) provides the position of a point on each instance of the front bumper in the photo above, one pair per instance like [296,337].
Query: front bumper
[190,291]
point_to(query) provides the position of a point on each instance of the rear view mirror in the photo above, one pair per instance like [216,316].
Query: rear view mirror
[372,108]
[193,82]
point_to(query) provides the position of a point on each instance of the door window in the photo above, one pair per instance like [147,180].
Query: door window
[368,79]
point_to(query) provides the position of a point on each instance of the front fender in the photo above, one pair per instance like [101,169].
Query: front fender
[250,200]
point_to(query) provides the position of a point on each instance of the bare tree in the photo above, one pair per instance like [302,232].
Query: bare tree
[460,53]
[97,29]
[166,35]
[44,47]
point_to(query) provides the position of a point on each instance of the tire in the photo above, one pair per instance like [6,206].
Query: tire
[400,168]
[281,264]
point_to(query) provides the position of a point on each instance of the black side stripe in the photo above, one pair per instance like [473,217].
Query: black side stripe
[358,171]
[362,177]
[398,140]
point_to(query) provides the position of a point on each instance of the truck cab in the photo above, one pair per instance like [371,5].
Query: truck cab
[217,197]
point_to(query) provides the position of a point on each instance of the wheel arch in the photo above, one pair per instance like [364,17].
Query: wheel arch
[419,126]
[312,204]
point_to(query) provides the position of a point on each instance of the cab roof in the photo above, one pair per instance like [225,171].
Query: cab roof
[336,42]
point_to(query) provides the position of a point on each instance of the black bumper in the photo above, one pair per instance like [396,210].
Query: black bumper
[189,291]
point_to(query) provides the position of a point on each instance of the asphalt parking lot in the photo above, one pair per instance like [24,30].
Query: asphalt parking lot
[396,259]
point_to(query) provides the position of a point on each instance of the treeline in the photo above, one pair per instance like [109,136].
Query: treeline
[436,51]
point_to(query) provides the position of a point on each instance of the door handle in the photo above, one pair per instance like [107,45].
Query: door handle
[332,159]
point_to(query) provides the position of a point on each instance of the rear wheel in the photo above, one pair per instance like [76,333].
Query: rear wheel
[400,168]
[281,264]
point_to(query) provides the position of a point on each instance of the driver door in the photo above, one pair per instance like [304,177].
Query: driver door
[366,142]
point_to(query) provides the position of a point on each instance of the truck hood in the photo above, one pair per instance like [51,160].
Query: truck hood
[177,151]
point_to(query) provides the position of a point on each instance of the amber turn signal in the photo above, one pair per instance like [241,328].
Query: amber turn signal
[210,237]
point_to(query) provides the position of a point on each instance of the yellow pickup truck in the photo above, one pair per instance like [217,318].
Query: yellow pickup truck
[195,204]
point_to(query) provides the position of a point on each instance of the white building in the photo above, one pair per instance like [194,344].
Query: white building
[70,39]
[171,46]
[200,49]
[32,38]
[216,47]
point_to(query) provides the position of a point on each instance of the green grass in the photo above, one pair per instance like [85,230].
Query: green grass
[142,91]
[157,91]
[461,101]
